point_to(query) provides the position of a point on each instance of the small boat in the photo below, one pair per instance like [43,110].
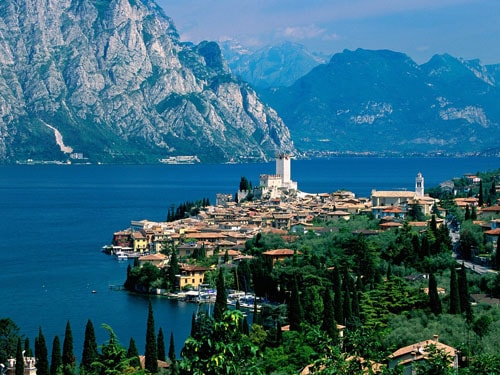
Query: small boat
[120,255]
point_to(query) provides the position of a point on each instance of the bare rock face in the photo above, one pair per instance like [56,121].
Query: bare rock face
[113,82]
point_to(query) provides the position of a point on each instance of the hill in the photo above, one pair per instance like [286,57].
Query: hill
[109,81]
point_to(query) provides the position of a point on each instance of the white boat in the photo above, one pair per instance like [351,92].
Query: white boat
[120,255]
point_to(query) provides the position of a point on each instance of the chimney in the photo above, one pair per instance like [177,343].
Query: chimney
[436,338]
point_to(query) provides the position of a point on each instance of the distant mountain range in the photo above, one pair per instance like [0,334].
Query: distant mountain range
[271,66]
[109,81]
[382,102]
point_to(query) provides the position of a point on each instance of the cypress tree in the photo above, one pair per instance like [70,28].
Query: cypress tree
[497,255]
[56,359]
[171,349]
[68,357]
[296,312]
[27,348]
[19,358]
[480,198]
[246,327]
[41,354]
[161,346]
[463,290]
[346,303]
[454,293]
[434,301]
[172,356]
[467,213]
[151,352]
[337,297]
[133,354]
[221,298]
[90,353]
[173,269]
[193,325]
[329,324]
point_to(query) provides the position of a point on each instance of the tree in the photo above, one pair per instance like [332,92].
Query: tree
[329,324]
[295,310]
[113,358]
[56,359]
[437,362]
[19,358]
[221,299]
[161,346]
[90,353]
[68,357]
[172,356]
[480,197]
[337,298]
[463,289]
[434,301]
[9,333]
[171,349]
[173,269]
[497,255]
[220,349]
[27,348]
[454,292]
[41,354]
[151,352]
[133,354]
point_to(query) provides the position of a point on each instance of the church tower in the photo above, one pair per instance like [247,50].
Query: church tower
[419,185]
[283,168]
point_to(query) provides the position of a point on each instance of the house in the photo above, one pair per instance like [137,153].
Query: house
[409,355]
[190,275]
[279,255]
[231,256]
[159,260]
[139,242]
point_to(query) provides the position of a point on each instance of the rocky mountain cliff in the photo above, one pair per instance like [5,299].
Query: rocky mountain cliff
[383,102]
[109,80]
[271,66]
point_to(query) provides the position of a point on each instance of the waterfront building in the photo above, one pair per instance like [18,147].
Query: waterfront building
[271,185]
[191,275]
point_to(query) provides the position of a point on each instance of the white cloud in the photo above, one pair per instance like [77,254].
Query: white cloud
[302,32]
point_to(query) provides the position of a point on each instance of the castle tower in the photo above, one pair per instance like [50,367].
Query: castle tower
[283,168]
[419,185]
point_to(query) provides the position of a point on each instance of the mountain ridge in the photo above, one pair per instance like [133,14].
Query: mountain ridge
[115,81]
[381,101]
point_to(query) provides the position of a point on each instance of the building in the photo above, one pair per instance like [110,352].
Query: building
[409,355]
[419,185]
[271,183]
[190,275]
[29,366]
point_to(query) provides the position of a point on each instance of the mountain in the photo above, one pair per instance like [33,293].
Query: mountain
[271,66]
[383,102]
[109,81]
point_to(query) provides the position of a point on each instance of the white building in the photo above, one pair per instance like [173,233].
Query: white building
[273,183]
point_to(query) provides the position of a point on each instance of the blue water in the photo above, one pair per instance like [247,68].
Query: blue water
[55,219]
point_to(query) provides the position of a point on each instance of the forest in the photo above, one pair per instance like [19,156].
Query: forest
[348,297]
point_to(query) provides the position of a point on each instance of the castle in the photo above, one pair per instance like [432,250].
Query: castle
[273,183]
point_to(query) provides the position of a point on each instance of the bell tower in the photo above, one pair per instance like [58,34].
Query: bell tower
[419,185]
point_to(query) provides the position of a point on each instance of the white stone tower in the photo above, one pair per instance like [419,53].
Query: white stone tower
[283,168]
[419,185]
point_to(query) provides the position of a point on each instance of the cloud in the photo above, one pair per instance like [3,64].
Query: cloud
[302,32]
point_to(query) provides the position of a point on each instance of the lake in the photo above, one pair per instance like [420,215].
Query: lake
[56,218]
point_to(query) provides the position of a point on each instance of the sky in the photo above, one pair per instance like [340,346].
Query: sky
[468,29]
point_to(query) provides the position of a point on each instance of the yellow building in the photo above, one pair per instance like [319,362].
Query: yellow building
[190,275]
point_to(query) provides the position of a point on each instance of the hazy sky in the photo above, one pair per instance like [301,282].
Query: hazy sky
[420,28]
